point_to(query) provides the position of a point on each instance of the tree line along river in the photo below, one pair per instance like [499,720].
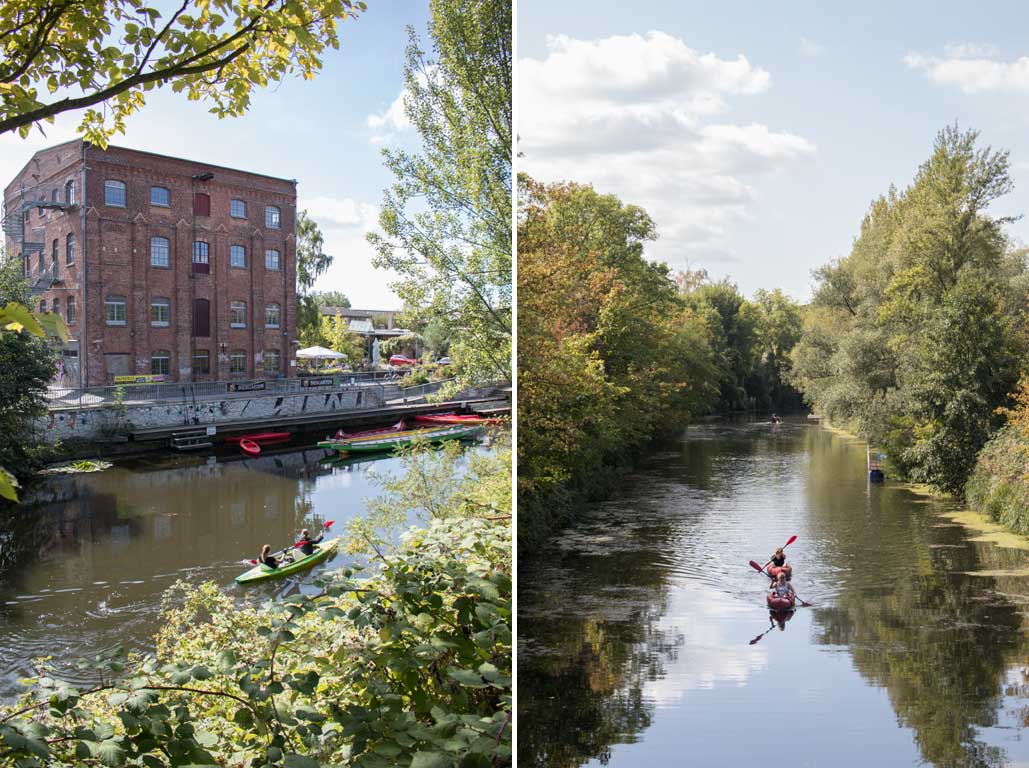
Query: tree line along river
[644,637]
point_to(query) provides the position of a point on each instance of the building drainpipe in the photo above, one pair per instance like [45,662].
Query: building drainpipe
[84,318]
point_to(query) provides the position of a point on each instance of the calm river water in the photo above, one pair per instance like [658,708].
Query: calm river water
[84,563]
[641,626]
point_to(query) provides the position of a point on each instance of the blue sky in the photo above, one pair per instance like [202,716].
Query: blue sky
[327,133]
[757,134]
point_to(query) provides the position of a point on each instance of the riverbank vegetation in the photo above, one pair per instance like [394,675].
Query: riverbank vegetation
[915,339]
[409,665]
[613,349]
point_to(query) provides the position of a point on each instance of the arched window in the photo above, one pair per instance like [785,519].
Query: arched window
[272,217]
[69,193]
[57,305]
[72,311]
[238,314]
[272,259]
[237,256]
[69,245]
[114,193]
[272,315]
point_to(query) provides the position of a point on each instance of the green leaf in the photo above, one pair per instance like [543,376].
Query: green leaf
[431,760]
[111,753]
[8,484]
[17,317]
[294,760]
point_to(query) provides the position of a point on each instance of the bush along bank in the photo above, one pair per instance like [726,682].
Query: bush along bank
[999,484]
[410,666]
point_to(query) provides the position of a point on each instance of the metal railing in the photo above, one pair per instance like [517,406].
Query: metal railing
[419,391]
[189,392]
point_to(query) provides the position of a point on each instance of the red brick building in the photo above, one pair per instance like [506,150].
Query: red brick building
[160,266]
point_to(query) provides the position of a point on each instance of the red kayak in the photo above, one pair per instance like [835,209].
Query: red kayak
[259,437]
[250,447]
[400,426]
[775,570]
[455,418]
[777,603]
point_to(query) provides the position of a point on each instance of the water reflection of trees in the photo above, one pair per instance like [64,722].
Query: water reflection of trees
[938,641]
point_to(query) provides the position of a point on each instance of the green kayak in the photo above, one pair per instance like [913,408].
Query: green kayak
[397,440]
[322,552]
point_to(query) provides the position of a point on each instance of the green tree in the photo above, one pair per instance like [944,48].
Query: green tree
[57,56]
[447,220]
[26,366]
[914,338]
[336,335]
[312,261]
[331,299]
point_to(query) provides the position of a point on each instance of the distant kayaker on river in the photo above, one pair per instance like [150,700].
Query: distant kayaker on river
[307,543]
[778,561]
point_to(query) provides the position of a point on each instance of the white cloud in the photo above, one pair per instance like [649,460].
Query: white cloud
[344,223]
[388,123]
[973,68]
[642,116]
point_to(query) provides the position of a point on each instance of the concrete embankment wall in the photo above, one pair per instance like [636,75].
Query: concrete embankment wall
[94,423]
[98,422]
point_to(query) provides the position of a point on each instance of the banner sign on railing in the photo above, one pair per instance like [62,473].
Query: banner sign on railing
[324,381]
[245,386]
[148,379]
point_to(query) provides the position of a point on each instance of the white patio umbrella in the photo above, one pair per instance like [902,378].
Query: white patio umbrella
[320,353]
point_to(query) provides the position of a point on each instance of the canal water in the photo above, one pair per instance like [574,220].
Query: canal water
[645,641]
[85,561]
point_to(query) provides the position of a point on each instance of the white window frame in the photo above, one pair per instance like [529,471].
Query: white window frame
[160,301]
[113,302]
[278,259]
[238,354]
[167,254]
[268,354]
[272,217]
[157,355]
[278,315]
[237,306]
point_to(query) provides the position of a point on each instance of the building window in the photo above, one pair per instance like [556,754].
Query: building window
[272,260]
[238,362]
[160,252]
[238,314]
[72,312]
[160,313]
[271,361]
[160,196]
[55,255]
[272,217]
[238,209]
[69,193]
[271,316]
[57,305]
[114,310]
[202,361]
[237,256]
[201,257]
[114,193]
[42,306]
[69,246]
[55,196]
[42,261]
[201,204]
[160,363]
[202,318]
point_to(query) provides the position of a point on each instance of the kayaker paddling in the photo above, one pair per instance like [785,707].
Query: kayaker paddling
[778,565]
[782,588]
[306,543]
[267,558]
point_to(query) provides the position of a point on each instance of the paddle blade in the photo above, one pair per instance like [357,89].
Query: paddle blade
[328,523]
[756,567]
[793,538]
[252,562]
[757,638]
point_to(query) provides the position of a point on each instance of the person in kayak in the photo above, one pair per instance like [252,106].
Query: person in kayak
[778,560]
[307,543]
[782,588]
[267,558]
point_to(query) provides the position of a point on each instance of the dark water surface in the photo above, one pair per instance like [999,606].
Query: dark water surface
[636,625]
[85,562]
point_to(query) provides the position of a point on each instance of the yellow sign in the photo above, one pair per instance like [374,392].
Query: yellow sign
[148,379]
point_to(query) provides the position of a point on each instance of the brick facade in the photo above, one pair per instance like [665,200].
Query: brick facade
[141,253]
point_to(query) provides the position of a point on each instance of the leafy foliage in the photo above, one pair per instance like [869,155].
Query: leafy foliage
[409,666]
[447,220]
[57,56]
[915,337]
[607,352]
[27,364]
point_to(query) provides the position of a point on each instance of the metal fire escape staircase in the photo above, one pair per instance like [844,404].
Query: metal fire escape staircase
[14,223]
